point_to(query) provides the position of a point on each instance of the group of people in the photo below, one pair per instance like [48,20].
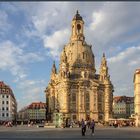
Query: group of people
[89,124]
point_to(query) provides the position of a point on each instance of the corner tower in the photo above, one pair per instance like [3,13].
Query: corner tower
[103,69]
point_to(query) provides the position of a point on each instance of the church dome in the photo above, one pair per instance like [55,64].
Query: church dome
[77,51]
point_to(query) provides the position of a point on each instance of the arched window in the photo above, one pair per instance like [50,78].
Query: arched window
[73,102]
[73,97]
[7,91]
[3,90]
[78,28]
[87,101]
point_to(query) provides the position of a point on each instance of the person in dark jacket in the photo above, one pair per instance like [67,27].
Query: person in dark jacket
[83,127]
[92,127]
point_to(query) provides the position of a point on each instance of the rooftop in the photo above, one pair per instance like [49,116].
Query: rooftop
[37,105]
[4,86]
[123,98]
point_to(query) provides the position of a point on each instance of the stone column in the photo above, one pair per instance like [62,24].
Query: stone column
[108,102]
[64,101]
[79,104]
[94,105]
[91,104]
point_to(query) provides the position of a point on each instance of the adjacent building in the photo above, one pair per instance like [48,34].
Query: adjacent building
[75,90]
[36,112]
[8,104]
[123,106]
[137,96]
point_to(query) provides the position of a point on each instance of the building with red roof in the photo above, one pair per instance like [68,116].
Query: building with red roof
[123,106]
[35,112]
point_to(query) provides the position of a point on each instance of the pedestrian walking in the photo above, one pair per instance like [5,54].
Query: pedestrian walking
[92,127]
[83,127]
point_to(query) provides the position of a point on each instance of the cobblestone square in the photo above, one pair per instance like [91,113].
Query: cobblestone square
[34,133]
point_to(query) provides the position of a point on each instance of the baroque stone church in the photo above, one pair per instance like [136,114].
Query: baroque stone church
[75,90]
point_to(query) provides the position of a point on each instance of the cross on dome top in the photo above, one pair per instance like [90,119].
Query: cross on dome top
[77,16]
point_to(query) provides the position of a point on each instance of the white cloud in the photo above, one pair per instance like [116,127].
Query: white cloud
[127,55]
[56,42]
[40,23]
[28,83]
[31,57]
[13,59]
[113,25]
[97,19]
[9,58]
[122,67]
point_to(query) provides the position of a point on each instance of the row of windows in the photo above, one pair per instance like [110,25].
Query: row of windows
[3,96]
[4,90]
[84,55]
[123,109]
[73,101]
[37,111]
[37,115]
[4,114]
[121,112]
[119,108]
[73,97]
[3,109]
[3,102]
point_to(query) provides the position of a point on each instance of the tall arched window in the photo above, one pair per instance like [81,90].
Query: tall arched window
[73,102]
[87,101]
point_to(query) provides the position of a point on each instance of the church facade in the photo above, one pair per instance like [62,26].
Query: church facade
[75,90]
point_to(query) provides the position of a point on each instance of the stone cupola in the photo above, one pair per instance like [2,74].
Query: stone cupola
[77,28]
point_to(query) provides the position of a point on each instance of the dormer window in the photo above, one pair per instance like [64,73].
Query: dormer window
[3,90]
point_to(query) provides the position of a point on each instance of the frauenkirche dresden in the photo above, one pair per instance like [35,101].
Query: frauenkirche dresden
[75,90]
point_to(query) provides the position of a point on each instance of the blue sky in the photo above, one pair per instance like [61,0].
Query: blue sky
[32,35]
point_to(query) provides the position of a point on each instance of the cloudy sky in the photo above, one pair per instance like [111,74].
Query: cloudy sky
[33,34]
